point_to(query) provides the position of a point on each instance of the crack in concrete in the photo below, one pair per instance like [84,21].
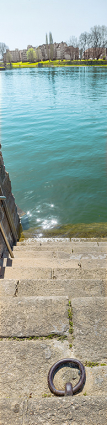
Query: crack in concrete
[16,289]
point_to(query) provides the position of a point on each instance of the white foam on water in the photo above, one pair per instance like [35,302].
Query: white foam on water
[29,214]
[49,224]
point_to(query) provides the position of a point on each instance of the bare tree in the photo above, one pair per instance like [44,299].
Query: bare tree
[73,41]
[84,44]
[98,40]
[3,48]
[73,47]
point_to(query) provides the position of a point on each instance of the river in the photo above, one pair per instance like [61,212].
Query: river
[54,143]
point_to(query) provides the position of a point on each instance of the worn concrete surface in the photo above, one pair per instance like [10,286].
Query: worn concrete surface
[57,411]
[71,287]
[33,301]
[64,244]
[24,272]
[28,316]
[65,261]
[90,328]
[67,253]
[28,272]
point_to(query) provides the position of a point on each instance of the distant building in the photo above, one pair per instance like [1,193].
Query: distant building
[15,55]
[60,50]
[71,53]
[53,51]
[23,55]
[95,53]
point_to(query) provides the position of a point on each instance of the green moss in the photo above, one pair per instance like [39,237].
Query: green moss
[29,338]
[58,337]
[51,336]
[46,395]
[79,230]
[61,338]
[91,364]
[70,318]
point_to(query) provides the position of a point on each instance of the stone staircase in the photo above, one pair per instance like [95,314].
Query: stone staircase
[53,305]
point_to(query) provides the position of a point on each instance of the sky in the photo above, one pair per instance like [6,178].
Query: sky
[24,22]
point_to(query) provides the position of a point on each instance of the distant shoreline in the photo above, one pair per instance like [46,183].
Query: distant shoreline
[56,63]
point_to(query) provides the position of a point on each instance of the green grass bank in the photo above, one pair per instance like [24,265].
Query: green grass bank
[58,63]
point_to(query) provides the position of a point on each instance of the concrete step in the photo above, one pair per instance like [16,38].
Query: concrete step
[25,366]
[64,244]
[48,260]
[77,410]
[25,272]
[28,316]
[90,328]
[65,252]
[73,288]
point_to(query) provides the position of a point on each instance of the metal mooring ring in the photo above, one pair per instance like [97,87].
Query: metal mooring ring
[69,390]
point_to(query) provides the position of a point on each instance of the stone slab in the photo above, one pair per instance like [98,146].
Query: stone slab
[57,411]
[71,287]
[11,411]
[24,367]
[28,272]
[28,316]
[54,273]
[64,244]
[54,261]
[79,273]
[85,411]
[66,252]
[90,328]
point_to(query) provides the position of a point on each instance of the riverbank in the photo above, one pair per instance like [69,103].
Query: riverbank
[58,63]
[80,230]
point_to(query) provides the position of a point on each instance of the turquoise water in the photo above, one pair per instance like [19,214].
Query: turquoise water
[53,135]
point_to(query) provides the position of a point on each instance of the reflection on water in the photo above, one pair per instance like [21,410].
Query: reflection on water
[54,129]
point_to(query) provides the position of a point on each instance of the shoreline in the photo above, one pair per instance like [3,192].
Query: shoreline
[56,63]
[79,230]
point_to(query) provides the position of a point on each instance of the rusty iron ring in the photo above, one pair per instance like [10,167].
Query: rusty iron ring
[69,390]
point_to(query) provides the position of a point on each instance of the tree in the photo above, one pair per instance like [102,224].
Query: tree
[51,49]
[47,49]
[50,38]
[84,44]
[31,55]
[38,55]
[93,44]
[46,39]
[73,48]
[8,57]
[98,40]
[3,48]
[73,41]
